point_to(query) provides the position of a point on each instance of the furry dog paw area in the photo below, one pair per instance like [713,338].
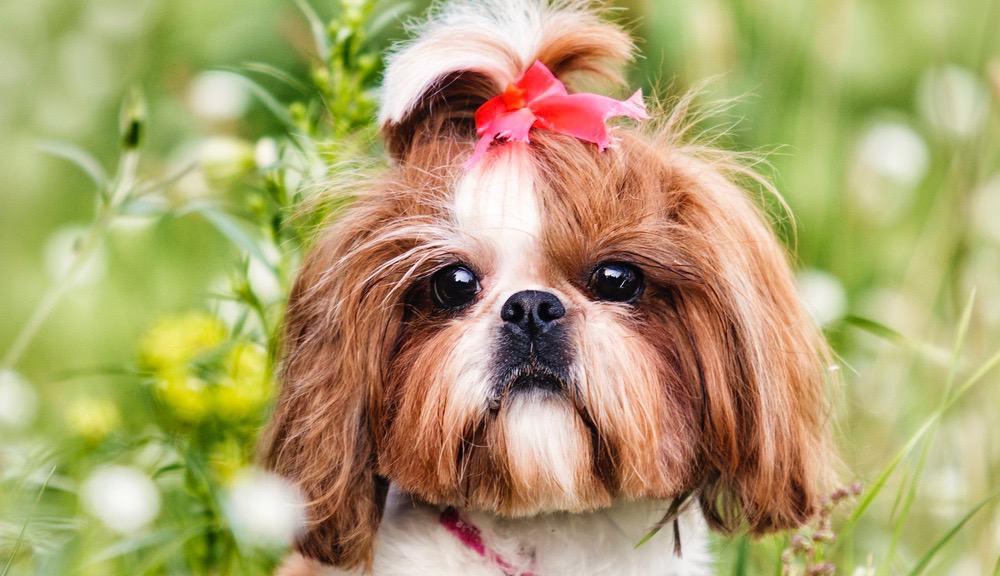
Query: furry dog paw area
[501,288]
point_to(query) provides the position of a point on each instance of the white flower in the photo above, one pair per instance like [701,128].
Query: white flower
[218,96]
[193,185]
[953,101]
[62,251]
[893,151]
[123,498]
[265,153]
[889,160]
[986,209]
[262,277]
[823,296]
[263,281]
[224,158]
[131,226]
[18,400]
[120,19]
[265,509]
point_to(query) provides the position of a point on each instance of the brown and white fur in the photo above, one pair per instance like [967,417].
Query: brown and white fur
[565,445]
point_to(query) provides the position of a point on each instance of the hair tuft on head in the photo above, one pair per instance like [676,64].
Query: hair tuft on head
[467,51]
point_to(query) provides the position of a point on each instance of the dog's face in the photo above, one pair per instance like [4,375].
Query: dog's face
[544,359]
[552,329]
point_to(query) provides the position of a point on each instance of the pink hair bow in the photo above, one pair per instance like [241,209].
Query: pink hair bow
[539,99]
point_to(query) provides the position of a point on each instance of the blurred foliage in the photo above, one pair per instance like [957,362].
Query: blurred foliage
[143,300]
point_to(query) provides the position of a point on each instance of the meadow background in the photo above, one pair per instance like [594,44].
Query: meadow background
[154,155]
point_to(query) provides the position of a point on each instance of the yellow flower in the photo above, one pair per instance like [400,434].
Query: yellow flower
[170,345]
[92,418]
[184,394]
[246,384]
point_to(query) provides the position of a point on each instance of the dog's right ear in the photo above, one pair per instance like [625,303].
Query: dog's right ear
[321,437]
[468,51]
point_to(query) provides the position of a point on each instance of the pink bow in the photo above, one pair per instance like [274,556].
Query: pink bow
[539,99]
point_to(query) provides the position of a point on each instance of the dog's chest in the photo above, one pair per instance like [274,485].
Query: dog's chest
[414,539]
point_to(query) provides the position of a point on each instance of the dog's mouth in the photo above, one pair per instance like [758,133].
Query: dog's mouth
[531,378]
[536,379]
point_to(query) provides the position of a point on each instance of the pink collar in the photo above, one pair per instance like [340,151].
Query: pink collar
[472,537]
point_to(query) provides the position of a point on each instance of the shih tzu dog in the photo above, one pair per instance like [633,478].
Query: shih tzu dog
[538,338]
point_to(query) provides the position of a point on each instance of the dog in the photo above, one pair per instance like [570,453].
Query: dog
[537,341]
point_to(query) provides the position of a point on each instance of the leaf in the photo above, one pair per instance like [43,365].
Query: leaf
[266,98]
[79,158]
[318,29]
[228,227]
[130,545]
[149,206]
[167,468]
[276,73]
[926,559]
[933,353]
[388,16]
[166,182]
[673,511]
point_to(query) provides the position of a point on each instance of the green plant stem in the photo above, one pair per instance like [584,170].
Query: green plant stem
[24,527]
[124,183]
[55,293]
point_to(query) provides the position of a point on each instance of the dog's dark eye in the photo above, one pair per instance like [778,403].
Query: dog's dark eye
[616,282]
[454,286]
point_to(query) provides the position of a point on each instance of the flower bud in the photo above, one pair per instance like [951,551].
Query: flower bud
[132,126]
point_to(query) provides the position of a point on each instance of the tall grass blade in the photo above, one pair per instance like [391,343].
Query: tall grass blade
[914,440]
[909,487]
[318,29]
[928,557]
[956,350]
[24,527]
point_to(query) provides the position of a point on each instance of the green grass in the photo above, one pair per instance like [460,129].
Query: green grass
[890,177]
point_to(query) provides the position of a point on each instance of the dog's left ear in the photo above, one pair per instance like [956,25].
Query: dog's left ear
[322,432]
[760,359]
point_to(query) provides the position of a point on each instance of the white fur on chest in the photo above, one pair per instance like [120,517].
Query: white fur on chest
[411,541]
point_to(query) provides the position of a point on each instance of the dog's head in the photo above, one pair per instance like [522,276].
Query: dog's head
[551,329]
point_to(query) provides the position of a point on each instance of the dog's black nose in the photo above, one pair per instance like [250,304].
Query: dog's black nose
[533,311]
